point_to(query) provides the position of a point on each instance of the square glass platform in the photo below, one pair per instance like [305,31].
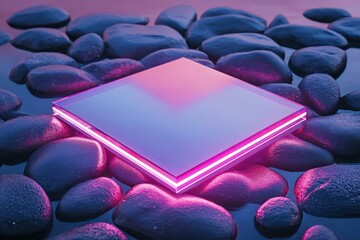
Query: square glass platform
[181,122]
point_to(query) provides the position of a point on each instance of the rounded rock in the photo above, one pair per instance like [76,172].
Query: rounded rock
[9,102]
[205,62]
[219,46]
[20,136]
[321,92]
[326,15]
[330,191]
[4,37]
[349,28]
[58,80]
[61,164]
[300,36]
[137,41]
[21,69]
[89,199]
[112,69]
[278,217]
[39,16]
[278,20]
[208,27]
[324,59]
[42,40]
[285,90]
[98,22]
[319,232]
[150,212]
[24,206]
[256,67]
[351,101]
[87,48]
[93,231]
[170,54]
[178,17]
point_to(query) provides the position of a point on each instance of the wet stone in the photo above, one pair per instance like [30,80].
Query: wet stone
[278,217]
[87,48]
[319,232]
[93,231]
[219,46]
[349,28]
[330,191]
[295,155]
[58,80]
[278,20]
[218,11]
[21,69]
[20,136]
[170,54]
[89,199]
[208,27]
[39,16]
[147,211]
[351,101]
[300,36]
[61,164]
[137,41]
[24,207]
[178,17]
[4,37]
[97,23]
[321,92]
[326,15]
[112,69]
[285,90]
[42,40]
[9,102]
[256,67]
[323,59]
[338,133]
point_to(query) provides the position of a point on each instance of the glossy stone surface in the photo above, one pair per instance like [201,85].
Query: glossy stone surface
[326,15]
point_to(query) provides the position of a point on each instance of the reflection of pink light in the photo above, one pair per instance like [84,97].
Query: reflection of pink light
[203,171]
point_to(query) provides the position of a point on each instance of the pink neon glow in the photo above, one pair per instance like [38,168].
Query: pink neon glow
[201,172]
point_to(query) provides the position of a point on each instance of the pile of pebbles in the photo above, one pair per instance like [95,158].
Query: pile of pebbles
[95,49]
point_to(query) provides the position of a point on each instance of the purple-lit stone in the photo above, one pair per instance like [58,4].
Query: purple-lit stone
[294,155]
[137,41]
[112,69]
[98,22]
[89,199]
[285,90]
[58,80]
[323,59]
[204,62]
[170,54]
[21,136]
[255,67]
[24,207]
[331,191]
[326,15]
[299,36]
[278,217]
[61,164]
[125,173]
[93,231]
[178,17]
[39,16]
[349,28]
[42,40]
[208,27]
[278,20]
[21,69]
[321,92]
[87,48]
[338,133]
[219,46]
[218,11]
[12,115]
[147,211]
[9,102]
[351,101]
[4,37]
[319,232]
